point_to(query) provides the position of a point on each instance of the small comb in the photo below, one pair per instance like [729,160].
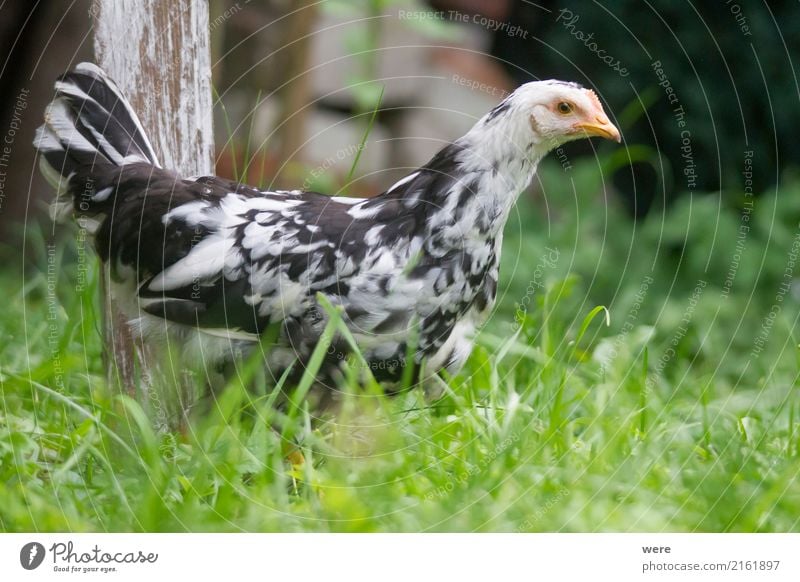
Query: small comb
[594,98]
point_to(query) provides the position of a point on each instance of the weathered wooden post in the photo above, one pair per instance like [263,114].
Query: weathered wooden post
[158,52]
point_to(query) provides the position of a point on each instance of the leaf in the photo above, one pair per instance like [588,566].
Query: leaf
[587,321]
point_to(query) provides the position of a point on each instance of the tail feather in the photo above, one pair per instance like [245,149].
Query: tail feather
[90,130]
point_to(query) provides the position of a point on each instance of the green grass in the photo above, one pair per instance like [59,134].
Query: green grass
[664,420]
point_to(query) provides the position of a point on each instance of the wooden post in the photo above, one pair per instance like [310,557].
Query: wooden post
[158,52]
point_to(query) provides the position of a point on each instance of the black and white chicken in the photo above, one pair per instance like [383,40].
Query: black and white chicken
[209,263]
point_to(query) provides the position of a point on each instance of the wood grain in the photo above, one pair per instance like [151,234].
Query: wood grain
[158,53]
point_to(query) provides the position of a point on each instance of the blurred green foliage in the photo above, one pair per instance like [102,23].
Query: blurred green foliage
[731,66]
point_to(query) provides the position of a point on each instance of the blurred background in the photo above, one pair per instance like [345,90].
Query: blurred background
[706,95]
[679,411]
[296,82]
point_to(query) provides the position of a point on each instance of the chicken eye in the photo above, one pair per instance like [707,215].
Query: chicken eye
[564,108]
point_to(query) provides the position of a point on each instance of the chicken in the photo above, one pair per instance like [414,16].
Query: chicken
[210,264]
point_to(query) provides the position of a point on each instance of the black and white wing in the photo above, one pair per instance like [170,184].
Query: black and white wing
[238,259]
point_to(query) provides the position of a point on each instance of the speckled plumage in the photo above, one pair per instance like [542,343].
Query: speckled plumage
[213,263]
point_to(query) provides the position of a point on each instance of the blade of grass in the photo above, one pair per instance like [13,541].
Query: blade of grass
[230,133]
[643,394]
[144,426]
[367,131]
[587,321]
[411,350]
[87,414]
[314,365]
[335,315]
[244,374]
[80,451]
[247,160]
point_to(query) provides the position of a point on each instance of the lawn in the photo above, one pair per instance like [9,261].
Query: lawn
[675,408]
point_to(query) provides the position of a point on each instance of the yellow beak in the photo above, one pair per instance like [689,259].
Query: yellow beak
[600,127]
